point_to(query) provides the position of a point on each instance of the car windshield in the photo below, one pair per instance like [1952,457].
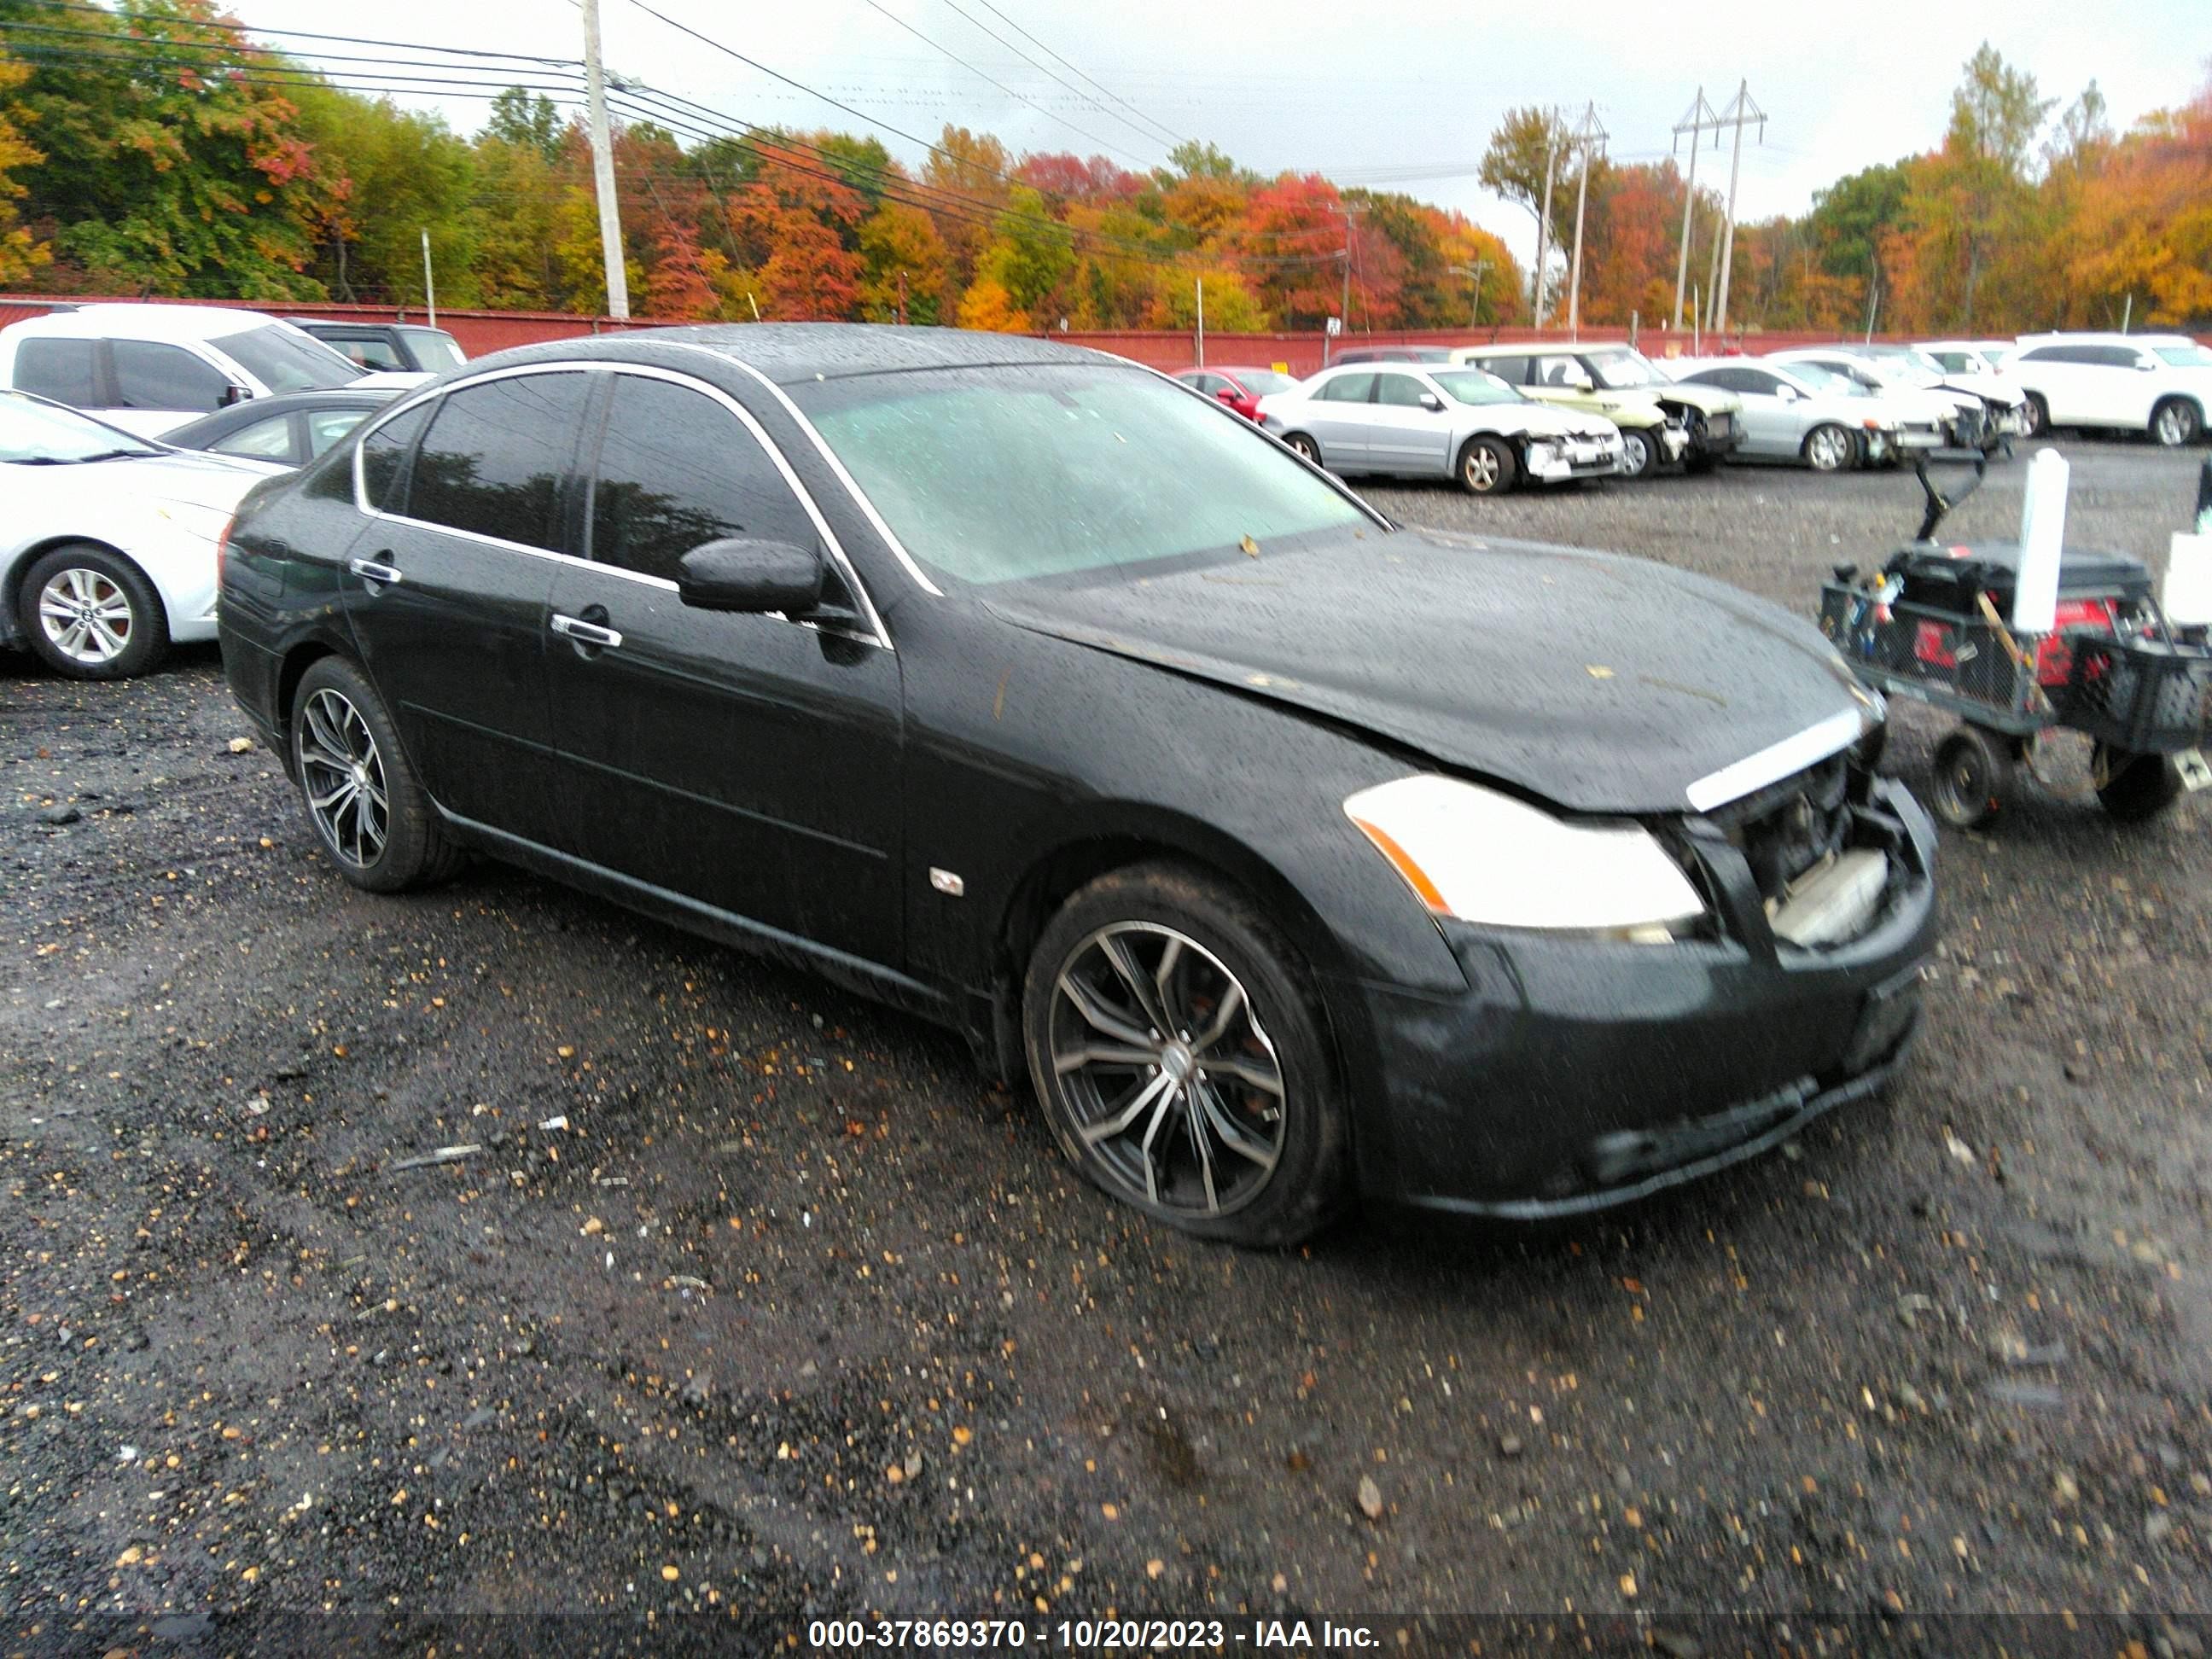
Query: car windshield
[1262,382]
[1001,474]
[1826,379]
[286,360]
[1623,371]
[435,348]
[2185,356]
[32,433]
[1474,385]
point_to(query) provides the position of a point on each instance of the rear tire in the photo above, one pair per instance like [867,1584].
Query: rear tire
[1829,448]
[369,809]
[1305,446]
[2176,422]
[90,613]
[1162,1012]
[1972,772]
[1486,467]
[2133,787]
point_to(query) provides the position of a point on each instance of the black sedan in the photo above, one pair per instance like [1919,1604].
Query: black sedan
[290,430]
[1294,856]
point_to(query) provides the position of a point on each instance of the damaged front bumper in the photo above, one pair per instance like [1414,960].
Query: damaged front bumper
[1576,1074]
[1555,460]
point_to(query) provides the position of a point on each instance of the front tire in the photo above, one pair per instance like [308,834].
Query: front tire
[1486,467]
[369,809]
[1639,454]
[2037,416]
[91,614]
[1306,447]
[1829,448]
[1972,772]
[1175,1040]
[2175,422]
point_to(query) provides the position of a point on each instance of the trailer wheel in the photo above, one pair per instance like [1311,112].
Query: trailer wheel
[2133,788]
[1972,774]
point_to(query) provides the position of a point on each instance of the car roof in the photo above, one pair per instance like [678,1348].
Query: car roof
[1549,347]
[787,353]
[144,322]
[2085,336]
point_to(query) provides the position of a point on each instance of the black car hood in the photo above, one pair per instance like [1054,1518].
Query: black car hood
[1601,684]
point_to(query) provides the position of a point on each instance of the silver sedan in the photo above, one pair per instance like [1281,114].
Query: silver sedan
[1801,412]
[1415,421]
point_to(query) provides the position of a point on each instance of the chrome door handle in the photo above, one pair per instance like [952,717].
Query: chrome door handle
[369,571]
[585,633]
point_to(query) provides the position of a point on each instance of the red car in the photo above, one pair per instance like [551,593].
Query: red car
[1240,388]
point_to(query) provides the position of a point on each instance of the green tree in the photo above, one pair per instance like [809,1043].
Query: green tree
[526,121]
[1524,145]
[1030,254]
[20,251]
[170,166]
[397,174]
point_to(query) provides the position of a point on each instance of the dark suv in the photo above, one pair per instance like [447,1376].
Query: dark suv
[409,348]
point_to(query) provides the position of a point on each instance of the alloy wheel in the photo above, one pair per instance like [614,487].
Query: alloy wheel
[2176,424]
[1634,453]
[1828,449]
[343,776]
[1481,470]
[86,615]
[1164,1072]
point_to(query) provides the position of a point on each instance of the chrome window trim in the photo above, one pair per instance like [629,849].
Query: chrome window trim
[875,635]
[1777,761]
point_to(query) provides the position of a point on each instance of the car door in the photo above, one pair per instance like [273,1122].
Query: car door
[159,386]
[749,763]
[1555,378]
[1405,434]
[1773,425]
[1339,412]
[2123,382]
[2056,374]
[448,587]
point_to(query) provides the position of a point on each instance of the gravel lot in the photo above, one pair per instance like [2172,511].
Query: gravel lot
[793,1315]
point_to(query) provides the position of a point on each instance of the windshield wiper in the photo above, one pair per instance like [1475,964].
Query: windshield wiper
[110,455]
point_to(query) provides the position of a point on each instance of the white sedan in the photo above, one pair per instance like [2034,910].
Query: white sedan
[108,543]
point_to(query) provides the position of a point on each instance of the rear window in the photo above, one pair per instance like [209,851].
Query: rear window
[63,370]
[435,348]
[285,360]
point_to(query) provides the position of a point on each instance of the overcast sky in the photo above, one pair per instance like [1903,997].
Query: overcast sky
[1294,84]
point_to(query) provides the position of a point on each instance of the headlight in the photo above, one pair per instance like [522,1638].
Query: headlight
[1483,857]
[1542,452]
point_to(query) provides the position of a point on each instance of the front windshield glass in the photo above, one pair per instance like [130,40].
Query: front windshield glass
[286,360]
[2185,356]
[32,433]
[1003,474]
[1263,382]
[1826,379]
[1623,371]
[1474,385]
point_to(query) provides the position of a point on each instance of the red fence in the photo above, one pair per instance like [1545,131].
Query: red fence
[483,331]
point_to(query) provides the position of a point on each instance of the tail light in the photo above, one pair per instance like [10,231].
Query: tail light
[222,547]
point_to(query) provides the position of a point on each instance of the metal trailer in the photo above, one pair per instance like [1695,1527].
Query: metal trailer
[1931,625]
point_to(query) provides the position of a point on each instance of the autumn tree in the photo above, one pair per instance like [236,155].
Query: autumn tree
[20,253]
[907,269]
[1525,146]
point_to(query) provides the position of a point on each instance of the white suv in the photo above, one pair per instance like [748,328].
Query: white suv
[2161,384]
[148,368]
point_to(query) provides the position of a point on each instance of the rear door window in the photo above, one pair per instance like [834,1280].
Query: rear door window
[65,370]
[675,471]
[494,459]
[384,455]
[1347,389]
[149,374]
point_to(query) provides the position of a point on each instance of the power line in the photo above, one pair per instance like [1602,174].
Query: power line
[302,34]
[1041,46]
[1149,137]
[1001,85]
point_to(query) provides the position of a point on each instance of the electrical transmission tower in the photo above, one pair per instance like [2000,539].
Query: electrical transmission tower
[1740,110]
[1701,119]
[1586,137]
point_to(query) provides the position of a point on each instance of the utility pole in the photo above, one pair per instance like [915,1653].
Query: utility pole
[1741,110]
[429,287]
[1700,119]
[602,165]
[1344,306]
[1544,224]
[1474,270]
[1587,136]
[1201,322]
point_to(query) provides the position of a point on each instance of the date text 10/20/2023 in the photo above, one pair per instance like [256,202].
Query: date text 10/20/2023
[1202,1635]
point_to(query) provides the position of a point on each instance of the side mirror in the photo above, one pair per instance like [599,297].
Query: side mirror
[2146,365]
[1433,403]
[235,394]
[748,575]
[1227,394]
[1581,383]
